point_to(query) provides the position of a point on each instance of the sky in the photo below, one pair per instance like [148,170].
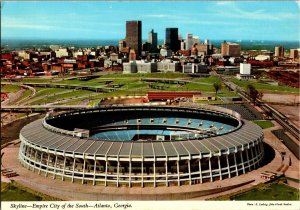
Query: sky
[214,20]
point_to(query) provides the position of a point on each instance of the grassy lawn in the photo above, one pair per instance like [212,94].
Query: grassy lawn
[210,79]
[264,123]
[268,88]
[48,91]
[72,82]
[54,98]
[275,190]
[16,192]
[226,93]
[37,80]
[167,75]
[10,88]
[293,179]
[198,87]
[92,82]
[25,94]
[133,85]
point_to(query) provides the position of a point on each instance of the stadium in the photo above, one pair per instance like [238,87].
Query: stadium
[146,146]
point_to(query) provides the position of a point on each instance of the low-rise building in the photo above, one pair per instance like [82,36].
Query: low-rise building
[62,52]
[228,70]
[129,68]
[167,66]
[165,53]
[194,68]
[24,54]
[245,72]
[139,67]
[145,67]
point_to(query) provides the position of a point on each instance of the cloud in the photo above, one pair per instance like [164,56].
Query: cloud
[48,24]
[233,11]
[206,22]
[16,23]
[161,16]
[222,3]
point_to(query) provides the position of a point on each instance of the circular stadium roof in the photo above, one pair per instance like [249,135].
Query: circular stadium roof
[57,133]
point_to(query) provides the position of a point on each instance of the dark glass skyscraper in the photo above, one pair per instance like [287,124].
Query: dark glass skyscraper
[172,41]
[134,35]
[152,39]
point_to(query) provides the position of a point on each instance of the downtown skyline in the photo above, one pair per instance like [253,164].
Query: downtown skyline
[107,20]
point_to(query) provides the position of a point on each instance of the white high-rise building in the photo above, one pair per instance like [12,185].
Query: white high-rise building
[182,45]
[279,51]
[189,41]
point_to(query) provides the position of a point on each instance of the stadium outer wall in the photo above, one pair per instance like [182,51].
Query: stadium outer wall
[62,155]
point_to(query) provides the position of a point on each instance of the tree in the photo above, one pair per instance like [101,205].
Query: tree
[217,86]
[253,93]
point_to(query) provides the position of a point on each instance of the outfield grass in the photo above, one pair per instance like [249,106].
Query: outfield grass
[268,88]
[264,123]
[16,192]
[10,88]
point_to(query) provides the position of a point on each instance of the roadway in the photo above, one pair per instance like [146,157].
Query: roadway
[279,117]
[41,108]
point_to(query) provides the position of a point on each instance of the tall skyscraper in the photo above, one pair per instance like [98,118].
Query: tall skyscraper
[152,39]
[134,35]
[294,54]
[189,41]
[279,51]
[172,39]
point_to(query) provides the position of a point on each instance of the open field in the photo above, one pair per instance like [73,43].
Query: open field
[10,88]
[275,190]
[266,88]
[282,98]
[130,84]
[133,85]
[168,75]
[24,95]
[272,191]
[54,98]
[48,91]
[38,80]
[291,112]
[16,192]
